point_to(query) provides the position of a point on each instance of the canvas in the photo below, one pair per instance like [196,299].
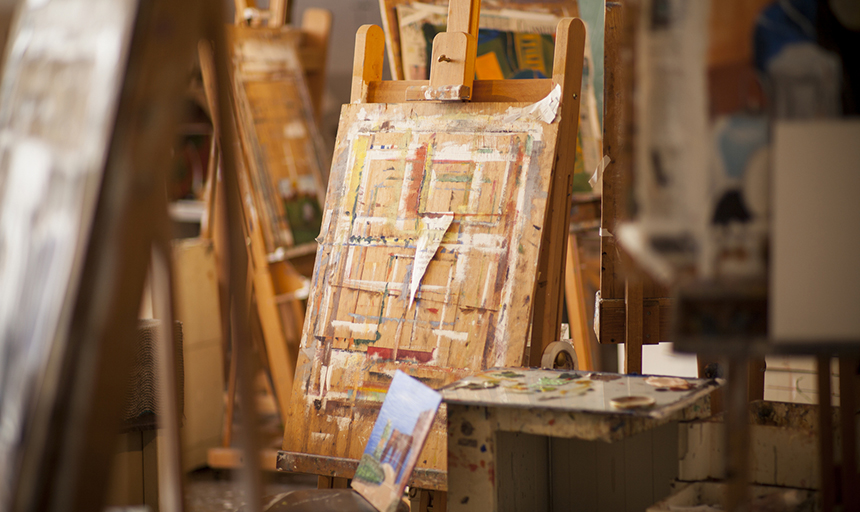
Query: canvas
[396,441]
[284,151]
[427,260]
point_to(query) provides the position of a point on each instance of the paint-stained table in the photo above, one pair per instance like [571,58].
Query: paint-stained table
[502,424]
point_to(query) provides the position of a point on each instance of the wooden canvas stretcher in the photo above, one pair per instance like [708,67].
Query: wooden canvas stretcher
[442,244]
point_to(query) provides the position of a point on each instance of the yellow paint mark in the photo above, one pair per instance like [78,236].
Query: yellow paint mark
[487,67]
[359,149]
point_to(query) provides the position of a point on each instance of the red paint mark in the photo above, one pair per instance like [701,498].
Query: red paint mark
[387,354]
[473,467]
[552,422]
[483,463]
[433,310]
[491,471]
[416,176]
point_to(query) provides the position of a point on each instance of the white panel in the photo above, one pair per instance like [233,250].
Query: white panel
[815,268]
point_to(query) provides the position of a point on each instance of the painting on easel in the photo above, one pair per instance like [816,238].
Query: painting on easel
[395,441]
[428,254]
[284,151]
[439,219]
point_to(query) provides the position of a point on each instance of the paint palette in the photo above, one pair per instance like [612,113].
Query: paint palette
[632,402]
[576,391]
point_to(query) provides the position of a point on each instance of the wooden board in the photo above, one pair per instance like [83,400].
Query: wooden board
[284,151]
[487,168]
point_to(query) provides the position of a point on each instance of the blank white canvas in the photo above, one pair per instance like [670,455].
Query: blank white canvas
[815,258]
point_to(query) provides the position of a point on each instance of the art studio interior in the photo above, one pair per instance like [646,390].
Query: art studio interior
[429,255]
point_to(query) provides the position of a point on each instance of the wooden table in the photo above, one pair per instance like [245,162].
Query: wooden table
[525,440]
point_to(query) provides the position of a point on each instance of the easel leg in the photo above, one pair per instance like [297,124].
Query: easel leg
[737,440]
[440,501]
[633,341]
[227,436]
[574,293]
[756,370]
[332,482]
[848,405]
[825,436]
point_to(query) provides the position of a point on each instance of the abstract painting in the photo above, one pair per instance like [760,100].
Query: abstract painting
[427,260]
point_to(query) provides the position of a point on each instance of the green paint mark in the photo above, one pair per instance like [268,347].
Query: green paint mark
[521,249]
[454,178]
[359,342]
[485,150]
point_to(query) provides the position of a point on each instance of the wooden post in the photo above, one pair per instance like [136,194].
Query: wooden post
[633,341]
[737,435]
[825,436]
[615,96]
[367,63]
[454,52]
[279,13]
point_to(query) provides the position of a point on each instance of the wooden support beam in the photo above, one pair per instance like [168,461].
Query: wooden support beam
[616,95]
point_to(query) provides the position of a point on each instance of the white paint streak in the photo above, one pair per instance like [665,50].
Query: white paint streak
[354,327]
[484,242]
[324,378]
[295,130]
[454,335]
[326,225]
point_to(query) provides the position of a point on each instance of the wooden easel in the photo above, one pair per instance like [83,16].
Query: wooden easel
[274,281]
[632,308]
[277,15]
[451,81]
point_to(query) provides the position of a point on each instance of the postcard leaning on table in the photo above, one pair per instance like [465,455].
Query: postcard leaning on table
[396,441]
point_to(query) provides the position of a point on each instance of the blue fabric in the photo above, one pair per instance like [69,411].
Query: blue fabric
[782,23]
